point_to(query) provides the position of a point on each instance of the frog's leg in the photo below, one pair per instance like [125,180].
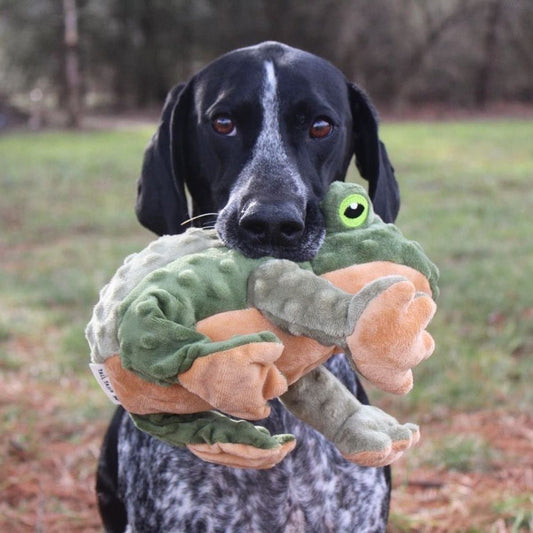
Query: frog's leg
[219,439]
[382,326]
[364,434]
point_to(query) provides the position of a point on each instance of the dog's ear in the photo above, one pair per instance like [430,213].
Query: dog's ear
[371,156]
[161,201]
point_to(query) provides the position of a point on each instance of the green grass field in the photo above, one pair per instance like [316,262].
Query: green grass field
[67,221]
[468,199]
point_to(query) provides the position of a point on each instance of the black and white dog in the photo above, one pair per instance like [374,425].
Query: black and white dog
[256,137]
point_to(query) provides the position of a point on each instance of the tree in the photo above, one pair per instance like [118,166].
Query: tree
[72,71]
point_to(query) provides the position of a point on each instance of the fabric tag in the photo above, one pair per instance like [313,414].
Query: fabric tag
[99,372]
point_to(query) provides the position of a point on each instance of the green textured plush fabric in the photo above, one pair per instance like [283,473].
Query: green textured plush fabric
[209,427]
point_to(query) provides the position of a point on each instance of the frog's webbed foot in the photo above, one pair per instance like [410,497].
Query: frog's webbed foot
[363,434]
[390,337]
[216,438]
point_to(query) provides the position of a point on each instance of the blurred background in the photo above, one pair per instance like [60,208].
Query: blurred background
[82,84]
[77,56]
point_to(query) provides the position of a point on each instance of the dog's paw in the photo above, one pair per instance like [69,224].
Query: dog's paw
[371,437]
[244,455]
[390,337]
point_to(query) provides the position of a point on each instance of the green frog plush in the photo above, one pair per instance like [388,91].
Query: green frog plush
[189,332]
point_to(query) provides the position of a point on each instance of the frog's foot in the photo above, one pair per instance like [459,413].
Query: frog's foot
[371,437]
[238,381]
[390,336]
[216,438]
[244,455]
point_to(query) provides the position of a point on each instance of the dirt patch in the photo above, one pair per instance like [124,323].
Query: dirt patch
[496,496]
[47,462]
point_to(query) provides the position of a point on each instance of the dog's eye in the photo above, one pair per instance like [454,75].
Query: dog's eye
[353,210]
[320,128]
[224,125]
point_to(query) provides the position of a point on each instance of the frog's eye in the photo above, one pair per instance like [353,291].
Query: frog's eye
[353,210]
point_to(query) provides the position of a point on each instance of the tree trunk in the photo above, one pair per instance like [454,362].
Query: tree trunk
[481,89]
[72,70]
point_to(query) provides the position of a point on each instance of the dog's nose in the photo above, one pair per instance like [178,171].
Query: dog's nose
[279,224]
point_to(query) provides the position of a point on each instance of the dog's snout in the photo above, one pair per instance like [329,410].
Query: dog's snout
[278,224]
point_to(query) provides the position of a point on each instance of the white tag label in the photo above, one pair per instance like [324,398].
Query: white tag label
[99,372]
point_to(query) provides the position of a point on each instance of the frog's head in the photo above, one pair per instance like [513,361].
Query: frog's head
[347,209]
[355,234]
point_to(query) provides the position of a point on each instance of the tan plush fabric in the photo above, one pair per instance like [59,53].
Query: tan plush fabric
[353,278]
[300,354]
[142,397]
[249,369]
[390,338]
[241,455]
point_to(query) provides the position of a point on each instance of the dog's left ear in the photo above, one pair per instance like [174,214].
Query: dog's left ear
[371,156]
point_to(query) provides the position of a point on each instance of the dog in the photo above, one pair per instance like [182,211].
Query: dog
[256,137]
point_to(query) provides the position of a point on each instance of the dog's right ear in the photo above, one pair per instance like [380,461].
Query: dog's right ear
[161,201]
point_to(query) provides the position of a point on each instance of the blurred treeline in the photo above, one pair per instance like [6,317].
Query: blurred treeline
[126,54]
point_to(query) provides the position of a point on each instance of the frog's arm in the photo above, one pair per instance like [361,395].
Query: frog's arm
[363,434]
[305,304]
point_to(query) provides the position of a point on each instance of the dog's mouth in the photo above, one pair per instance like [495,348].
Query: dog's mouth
[301,253]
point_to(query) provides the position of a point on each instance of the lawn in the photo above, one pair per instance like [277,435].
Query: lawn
[67,220]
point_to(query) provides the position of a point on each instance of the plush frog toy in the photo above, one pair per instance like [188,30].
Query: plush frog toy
[190,331]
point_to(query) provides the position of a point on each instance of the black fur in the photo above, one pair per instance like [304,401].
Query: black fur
[267,195]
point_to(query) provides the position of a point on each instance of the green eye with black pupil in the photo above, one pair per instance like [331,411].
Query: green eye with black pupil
[353,210]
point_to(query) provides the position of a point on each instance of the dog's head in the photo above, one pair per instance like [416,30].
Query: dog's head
[257,136]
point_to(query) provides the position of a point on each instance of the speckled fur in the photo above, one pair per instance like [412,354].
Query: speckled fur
[314,490]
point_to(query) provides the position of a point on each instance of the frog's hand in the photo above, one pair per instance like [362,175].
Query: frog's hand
[236,376]
[363,434]
[389,337]
[239,380]
[218,439]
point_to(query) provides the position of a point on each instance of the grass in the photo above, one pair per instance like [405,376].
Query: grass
[467,197]
[67,206]
[66,213]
